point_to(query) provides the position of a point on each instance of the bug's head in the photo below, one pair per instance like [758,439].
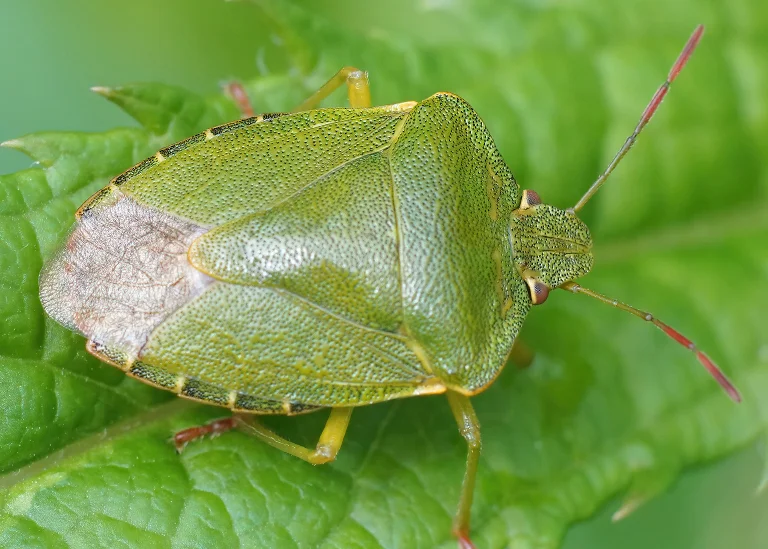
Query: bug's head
[550,246]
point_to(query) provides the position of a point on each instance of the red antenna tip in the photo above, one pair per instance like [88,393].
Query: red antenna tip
[703,358]
[693,41]
[719,376]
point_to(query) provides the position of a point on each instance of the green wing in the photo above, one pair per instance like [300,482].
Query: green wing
[251,165]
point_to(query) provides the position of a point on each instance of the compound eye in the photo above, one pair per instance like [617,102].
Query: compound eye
[530,198]
[538,290]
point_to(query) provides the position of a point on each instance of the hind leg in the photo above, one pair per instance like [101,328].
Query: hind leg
[326,449]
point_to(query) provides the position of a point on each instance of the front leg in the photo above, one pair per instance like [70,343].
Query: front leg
[469,428]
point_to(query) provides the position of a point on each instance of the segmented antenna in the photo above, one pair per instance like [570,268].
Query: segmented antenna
[671,332]
[647,115]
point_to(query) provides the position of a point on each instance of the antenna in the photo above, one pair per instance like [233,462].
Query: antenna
[647,115]
[671,332]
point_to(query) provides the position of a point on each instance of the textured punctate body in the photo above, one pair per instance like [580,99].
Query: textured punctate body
[463,298]
[348,257]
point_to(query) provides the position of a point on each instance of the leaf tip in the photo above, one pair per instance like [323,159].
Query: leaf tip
[21,144]
[102,90]
[12,144]
[627,508]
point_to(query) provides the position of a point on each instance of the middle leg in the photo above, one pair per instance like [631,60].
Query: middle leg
[327,446]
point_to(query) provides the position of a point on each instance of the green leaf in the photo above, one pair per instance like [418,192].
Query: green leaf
[609,406]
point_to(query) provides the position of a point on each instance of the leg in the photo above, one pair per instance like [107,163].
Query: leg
[356,80]
[327,447]
[237,92]
[357,89]
[469,428]
[521,354]
[213,428]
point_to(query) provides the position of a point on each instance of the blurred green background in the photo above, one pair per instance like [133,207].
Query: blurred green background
[52,52]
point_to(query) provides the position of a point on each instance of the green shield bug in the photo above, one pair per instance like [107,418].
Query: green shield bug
[325,258]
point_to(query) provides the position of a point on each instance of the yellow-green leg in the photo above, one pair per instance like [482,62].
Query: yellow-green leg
[469,428]
[327,447]
[356,80]
[358,89]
